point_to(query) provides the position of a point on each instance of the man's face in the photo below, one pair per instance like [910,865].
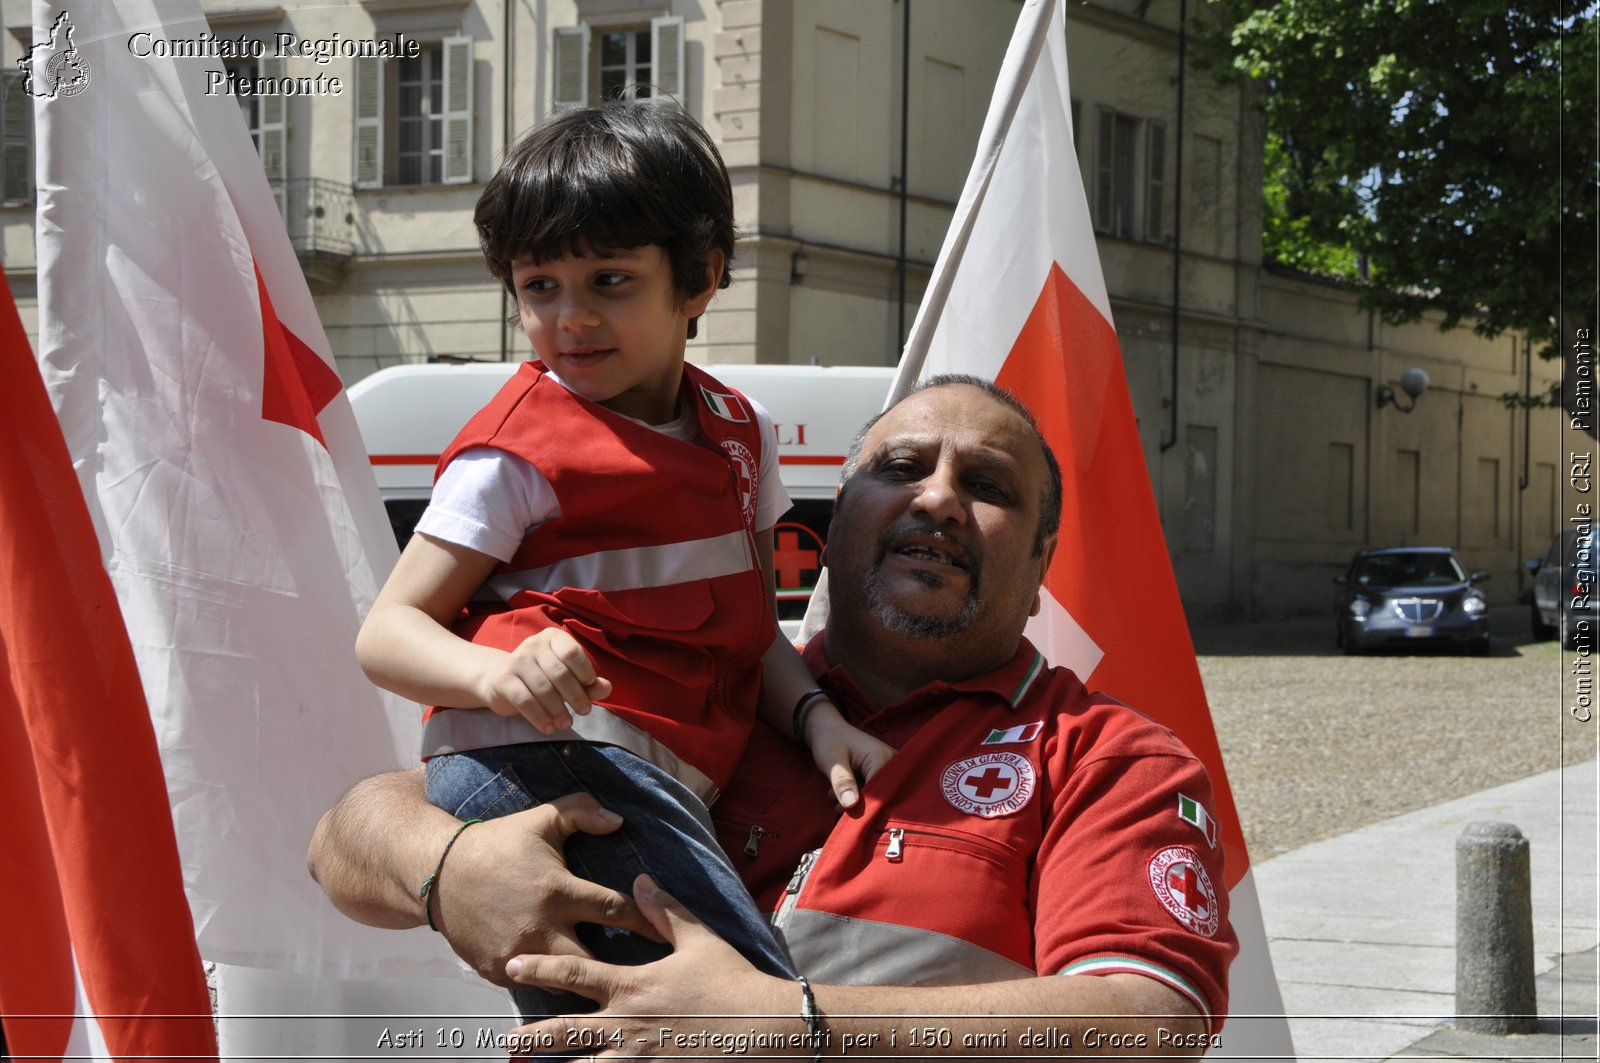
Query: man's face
[938,523]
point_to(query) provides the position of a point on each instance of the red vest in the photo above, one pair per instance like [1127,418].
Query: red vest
[651,566]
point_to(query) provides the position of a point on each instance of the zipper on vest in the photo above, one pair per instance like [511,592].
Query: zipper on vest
[752,844]
[791,892]
[897,837]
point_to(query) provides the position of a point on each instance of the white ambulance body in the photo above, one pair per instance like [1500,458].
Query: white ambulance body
[408,414]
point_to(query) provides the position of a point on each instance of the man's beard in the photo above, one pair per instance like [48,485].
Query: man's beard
[910,625]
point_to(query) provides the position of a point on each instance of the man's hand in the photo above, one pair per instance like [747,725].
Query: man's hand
[545,679]
[505,888]
[704,976]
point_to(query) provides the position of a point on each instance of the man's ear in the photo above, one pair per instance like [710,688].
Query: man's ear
[1046,555]
[695,305]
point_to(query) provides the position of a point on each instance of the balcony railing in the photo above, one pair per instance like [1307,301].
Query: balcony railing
[320,217]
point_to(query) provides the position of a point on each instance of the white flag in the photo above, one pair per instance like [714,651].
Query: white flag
[235,509]
[1017,297]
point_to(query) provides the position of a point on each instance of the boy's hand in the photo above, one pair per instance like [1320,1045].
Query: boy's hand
[545,679]
[841,752]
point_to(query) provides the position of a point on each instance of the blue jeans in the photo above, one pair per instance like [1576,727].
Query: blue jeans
[666,833]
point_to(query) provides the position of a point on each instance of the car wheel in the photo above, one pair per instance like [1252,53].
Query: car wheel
[1542,632]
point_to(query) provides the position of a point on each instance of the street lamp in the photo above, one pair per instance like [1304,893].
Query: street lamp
[1413,382]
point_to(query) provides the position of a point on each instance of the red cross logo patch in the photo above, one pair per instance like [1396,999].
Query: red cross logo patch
[744,471]
[994,784]
[1184,889]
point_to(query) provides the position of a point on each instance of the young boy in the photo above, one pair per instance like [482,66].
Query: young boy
[588,600]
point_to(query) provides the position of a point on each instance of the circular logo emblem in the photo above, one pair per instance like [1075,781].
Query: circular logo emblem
[67,73]
[744,472]
[994,784]
[1184,889]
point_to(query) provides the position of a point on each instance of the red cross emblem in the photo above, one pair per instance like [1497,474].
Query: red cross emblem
[994,784]
[744,474]
[1182,886]
[796,554]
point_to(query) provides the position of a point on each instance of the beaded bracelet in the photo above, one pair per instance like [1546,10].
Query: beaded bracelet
[427,886]
[812,1018]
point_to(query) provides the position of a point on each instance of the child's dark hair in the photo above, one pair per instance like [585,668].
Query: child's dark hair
[610,178]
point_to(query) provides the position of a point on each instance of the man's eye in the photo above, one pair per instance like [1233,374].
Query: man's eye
[989,490]
[898,470]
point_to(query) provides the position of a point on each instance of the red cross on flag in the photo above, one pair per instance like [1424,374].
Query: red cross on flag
[1017,297]
[231,505]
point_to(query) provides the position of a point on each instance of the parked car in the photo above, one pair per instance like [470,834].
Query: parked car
[1411,596]
[1564,598]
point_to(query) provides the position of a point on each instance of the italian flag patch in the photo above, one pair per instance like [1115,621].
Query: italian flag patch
[727,407]
[1194,813]
[1025,733]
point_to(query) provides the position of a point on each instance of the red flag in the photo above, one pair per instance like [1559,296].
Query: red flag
[100,952]
[1017,297]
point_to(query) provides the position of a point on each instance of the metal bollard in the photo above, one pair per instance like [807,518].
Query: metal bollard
[1494,931]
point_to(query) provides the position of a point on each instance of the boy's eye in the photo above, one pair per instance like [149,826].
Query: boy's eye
[538,284]
[610,279]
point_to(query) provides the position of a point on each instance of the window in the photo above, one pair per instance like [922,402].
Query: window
[414,117]
[1113,185]
[16,140]
[1129,150]
[594,62]
[266,117]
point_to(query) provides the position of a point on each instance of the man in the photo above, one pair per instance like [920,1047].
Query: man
[1025,829]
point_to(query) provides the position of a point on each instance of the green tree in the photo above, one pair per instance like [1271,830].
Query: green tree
[1451,143]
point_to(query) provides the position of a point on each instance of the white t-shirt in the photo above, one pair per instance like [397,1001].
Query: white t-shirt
[488,500]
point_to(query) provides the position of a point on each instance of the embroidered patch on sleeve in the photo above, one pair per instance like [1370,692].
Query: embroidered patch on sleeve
[1182,886]
[1194,813]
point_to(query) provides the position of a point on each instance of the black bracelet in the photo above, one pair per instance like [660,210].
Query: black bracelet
[812,1018]
[800,708]
[427,886]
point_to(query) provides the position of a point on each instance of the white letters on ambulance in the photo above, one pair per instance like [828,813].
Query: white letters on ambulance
[408,414]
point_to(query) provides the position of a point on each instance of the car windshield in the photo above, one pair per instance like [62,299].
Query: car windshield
[1408,570]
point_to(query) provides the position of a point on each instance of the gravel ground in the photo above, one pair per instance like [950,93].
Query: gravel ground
[1317,744]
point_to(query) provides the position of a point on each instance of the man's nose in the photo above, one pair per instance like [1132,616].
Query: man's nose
[939,497]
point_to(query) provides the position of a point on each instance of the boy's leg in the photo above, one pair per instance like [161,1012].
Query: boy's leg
[666,833]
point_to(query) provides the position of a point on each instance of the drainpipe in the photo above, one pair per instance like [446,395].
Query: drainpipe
[1177,226]
[905,155]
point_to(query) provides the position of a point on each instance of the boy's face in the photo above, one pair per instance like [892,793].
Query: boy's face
[612,327]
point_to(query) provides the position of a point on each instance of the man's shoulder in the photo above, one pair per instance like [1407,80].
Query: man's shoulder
[1100,721]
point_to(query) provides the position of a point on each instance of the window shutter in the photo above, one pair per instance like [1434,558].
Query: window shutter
[1104,168]
[16,141]
[666,52]
[1155,184]
[275,131]
[369,123]
[457,110]
[571,63]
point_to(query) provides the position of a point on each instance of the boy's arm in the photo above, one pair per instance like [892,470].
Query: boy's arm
[406,645]
[840,751]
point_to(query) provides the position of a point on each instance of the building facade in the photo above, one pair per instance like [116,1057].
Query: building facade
[848,127]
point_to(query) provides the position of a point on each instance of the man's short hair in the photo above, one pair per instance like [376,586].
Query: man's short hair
[613,177]
[1050,501]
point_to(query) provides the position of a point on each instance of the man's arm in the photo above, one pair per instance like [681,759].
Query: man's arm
[504,888]
[706,990]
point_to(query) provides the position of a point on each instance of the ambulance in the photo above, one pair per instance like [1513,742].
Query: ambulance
[408,414]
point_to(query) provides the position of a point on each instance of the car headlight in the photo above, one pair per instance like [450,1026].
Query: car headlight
[1474,607]
[1360,608]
